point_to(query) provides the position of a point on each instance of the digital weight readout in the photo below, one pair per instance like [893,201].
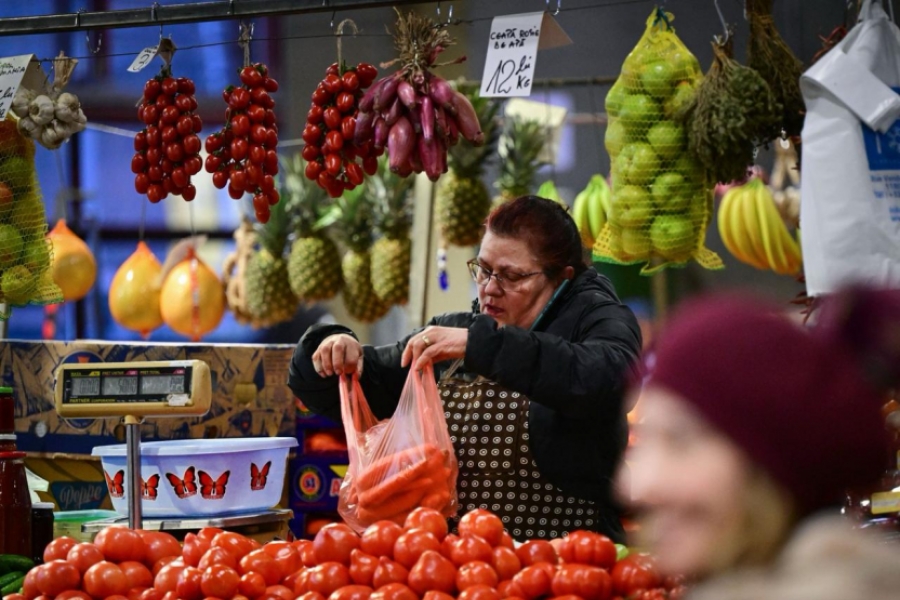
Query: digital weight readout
[94,387]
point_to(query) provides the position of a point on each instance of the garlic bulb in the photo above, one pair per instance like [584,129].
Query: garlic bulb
[80,118]
[21,102]
[67,107]
[29,128]
[41,110]
[52,136]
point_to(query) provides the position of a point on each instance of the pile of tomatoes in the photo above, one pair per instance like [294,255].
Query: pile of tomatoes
[242,156]
[167,151]
[418,560]
[330,150]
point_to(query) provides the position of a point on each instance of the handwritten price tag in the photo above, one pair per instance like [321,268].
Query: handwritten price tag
[143,59]
[12,70]
[512,49]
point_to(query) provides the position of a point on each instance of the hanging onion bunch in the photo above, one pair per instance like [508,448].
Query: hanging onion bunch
[733,110]
[414,113]
[770,56]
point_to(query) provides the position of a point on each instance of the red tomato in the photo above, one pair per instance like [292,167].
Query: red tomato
[476,573]
[351,592]
[355,176]
[285,555]
[184,126]
[333,163]
[433,595]
[152,594]
[469,548]
[252,585]
[534,551]
[67,595]
[588,548]
[311,134]
[239,98]
[240,125]
[351,81]
[191,144]
[150,115]
[327,577]
[388,571]
[188,586]
[159,545]
[29,585]
[137,574]
[271,166]
[633,573]
[333,84]
[239,148]
[332,117]
[59,548]
[506,540]
[185,86]
[260,97]
[362,567]
[411,544]
[393,591]
[258,561]
[251,77]
[505,562]
[141,183]
[217,556]
[278,592]
[422,517]
[220,179]
[194,546]
[169,86]
[135,593]
[345,102]
[535,580]
[367,74]
[479,592]
[271,85]
[154,137]
[105,579]
[315,115]
[164,561]
[310,152]
[432,572]
[312,172]
[152,89]
[447,544]
[84,556]
[482,523]
[170,114]
[348,129]
[167,578]
[220,581]
[588,582]
[120,543]
[311,596]
[57,576]
[320,97]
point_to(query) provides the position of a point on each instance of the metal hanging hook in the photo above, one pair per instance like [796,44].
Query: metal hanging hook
[722,19]
[449,14]
[558,7]
[155,18]
[87,35]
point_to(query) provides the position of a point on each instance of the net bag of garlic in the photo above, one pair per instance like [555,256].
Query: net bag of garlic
[25,252]
[661,199]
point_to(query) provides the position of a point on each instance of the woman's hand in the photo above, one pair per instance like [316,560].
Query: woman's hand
[338,354]
[435,344]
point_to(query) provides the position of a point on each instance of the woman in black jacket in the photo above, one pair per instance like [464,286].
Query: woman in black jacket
[534,398]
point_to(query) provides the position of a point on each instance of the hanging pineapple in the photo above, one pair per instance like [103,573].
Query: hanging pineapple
[355,226]
[269,296]
[392,252]
[463,199]
[314,265]
[520,150]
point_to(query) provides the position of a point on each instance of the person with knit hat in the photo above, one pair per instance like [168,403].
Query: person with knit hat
[752,429]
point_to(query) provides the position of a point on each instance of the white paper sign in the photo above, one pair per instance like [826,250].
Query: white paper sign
[512,50]
[12,70]
[143,59]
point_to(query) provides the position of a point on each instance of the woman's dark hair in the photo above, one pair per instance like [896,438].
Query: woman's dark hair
[545,226]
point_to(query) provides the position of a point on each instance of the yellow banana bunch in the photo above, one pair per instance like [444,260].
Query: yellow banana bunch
[753,231]
[591,209]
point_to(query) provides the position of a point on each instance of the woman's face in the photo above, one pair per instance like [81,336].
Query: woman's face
[502,255]
[687,484]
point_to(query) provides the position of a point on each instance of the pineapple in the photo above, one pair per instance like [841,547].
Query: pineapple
[392,252]
[355,226]
[519,149]
[463,200]
[314,268]
[269,296]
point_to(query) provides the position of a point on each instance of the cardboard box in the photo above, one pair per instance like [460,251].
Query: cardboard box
[250,393]
[315,482]
[76,481]
[306,419]
[304,525]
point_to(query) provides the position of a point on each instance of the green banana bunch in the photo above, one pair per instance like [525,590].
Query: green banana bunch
[753,231]
[548,190]
[591,209]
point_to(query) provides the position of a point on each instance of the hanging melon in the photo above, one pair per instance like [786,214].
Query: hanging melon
[192,299]
[134,294]
[73,268]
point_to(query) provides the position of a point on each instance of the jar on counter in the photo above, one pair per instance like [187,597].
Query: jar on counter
[8,442]
[41,529]
[7,411]
[15,505]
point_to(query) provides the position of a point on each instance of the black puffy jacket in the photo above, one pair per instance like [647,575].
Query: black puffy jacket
[574,368]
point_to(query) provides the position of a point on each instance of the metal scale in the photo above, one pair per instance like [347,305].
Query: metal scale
[134,391]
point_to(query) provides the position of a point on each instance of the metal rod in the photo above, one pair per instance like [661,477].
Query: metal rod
[181,13]
[133,471]
[4,323]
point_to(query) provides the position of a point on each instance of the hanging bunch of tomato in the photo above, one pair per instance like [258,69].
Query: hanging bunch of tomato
[167,150]
[334,160]
[242,155]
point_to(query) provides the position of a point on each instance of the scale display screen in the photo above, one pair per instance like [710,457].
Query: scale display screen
[91,386]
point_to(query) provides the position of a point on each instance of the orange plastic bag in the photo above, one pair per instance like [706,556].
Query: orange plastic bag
[399,463]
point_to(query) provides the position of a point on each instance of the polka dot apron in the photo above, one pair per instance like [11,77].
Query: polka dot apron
[488,426]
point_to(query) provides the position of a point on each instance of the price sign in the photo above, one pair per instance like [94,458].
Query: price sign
[143,59]
[512,49]
[12,70]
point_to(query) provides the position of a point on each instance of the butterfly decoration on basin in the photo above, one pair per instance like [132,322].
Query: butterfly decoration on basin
[213,489]
[116,483]
[259,477]
[150,487]
[186,486]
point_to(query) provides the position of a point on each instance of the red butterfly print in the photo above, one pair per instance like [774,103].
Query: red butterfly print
[259,477]
[184,488]
[115,484]
[213,489]
[149,487]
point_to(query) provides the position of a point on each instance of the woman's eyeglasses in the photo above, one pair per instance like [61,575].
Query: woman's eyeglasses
[510,282]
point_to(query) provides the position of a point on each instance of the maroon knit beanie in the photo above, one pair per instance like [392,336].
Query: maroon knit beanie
[797,401]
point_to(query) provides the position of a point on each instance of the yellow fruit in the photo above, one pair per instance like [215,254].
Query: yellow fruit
[191,279]
[134,292]
[74,268]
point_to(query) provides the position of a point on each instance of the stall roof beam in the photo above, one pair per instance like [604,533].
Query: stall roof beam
[173,14]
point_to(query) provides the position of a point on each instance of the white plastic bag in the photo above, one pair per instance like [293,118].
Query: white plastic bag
[850,198]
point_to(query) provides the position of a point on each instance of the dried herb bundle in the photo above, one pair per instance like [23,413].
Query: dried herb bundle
[773,59]
[419,41]
[732,110]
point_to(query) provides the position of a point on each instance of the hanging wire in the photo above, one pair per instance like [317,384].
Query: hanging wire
[724,22]
[155,16]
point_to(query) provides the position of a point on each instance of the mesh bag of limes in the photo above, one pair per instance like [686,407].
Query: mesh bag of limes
[25,251]
[661,198]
